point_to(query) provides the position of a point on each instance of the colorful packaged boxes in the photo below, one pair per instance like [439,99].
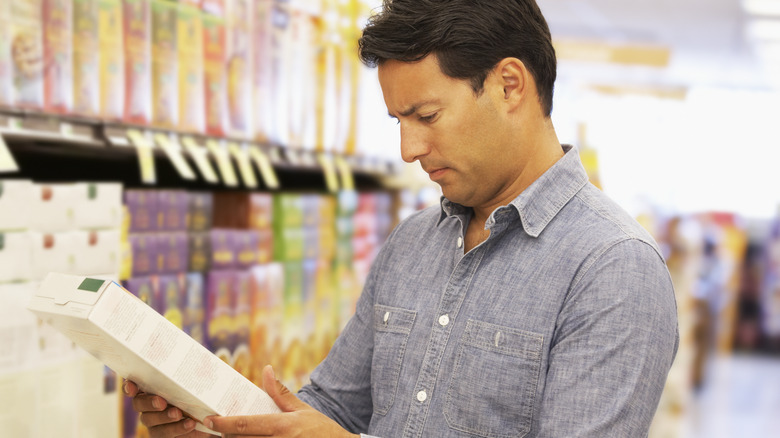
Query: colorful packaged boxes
[58,55]
[238,21]
[195,307]
[86,58]
[200,213]
[145,254]
[165,65]
[266,317]
[25,45]
[199,250]
[172,291]
[220,325]
[242,312]
[223,250]
[138,57]
[190,53]
[172,209]
[142,207]
[172,252]
[111,58]
[215,77]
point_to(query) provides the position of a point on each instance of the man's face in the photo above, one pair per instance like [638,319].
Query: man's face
[458,137]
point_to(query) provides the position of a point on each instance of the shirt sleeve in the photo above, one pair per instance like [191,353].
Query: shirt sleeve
[615,340]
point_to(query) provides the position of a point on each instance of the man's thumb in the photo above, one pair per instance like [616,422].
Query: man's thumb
[286,400]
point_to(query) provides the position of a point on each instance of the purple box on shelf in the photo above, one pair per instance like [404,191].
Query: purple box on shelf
[247,245]
[242,312]
[144,288]
[199,248]
[195,307]
[201,205]
[172,209]
[223,248]
[173,252]
[145,253]
[171,298]
[142,207]
[220,298]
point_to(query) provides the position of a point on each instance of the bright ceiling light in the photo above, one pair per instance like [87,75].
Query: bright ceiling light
[761,7]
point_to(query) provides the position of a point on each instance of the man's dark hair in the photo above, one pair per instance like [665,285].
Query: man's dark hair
[468,37]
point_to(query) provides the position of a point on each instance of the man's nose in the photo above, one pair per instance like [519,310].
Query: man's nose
[413,144]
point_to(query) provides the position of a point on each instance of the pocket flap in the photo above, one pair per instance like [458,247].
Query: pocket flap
[502,339]
[393,319]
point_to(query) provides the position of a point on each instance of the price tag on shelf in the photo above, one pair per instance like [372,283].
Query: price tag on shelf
[173,151]
[345,171]
[7,162]
[145,155]
[223,163]
[263,164]
[244,164]
[201,157]
[329,170]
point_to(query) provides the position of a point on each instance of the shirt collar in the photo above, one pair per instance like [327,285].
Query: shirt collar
[543,199]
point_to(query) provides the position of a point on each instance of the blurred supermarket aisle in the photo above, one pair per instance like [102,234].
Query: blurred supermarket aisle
[741,399]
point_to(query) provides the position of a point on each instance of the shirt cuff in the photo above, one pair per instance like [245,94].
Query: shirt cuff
[362,435]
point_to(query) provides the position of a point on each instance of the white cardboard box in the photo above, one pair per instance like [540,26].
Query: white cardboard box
[16,251]
[97,205]
[140,345]
[15,200]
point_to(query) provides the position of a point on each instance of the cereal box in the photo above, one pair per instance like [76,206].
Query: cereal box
[238,64]
[112,59]
[190,51]
[137,43]
[165,72]
[58,55]
[86,58]
[214,75]
[26,39]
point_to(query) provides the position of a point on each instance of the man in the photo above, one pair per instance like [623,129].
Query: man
[527,304]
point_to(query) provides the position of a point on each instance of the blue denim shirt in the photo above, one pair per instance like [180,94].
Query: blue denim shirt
[562,323]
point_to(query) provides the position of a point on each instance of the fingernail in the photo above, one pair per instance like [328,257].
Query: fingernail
[189,423]
[173,414]
[208,423]
[124,388]
[156,403]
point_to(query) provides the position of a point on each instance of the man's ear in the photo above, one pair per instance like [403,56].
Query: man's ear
[514,78]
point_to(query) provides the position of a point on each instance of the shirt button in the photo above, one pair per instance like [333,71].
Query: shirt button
[421,396]
[444,320]
[460,242]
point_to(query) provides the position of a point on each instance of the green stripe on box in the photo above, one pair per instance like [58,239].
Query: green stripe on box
[2,241]
[91,284]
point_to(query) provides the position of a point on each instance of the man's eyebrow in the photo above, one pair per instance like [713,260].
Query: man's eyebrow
[413,109]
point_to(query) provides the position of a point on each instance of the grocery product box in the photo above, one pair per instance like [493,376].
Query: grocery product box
[262,71]
[171,294]
[223,248]
[98,205]
[145,288]
[199,249]
[145,253]
[141,345]
[15,196]
[165,65]
[195,307]
[16,249]
[86,58]
[52,252]
[58,55]
[265,246]
[6,63]
[247,243]
[260,211]
[200,211]
[17,328]
[52,207]
[287,210]
[311,242]
[172,209]
[213,7]
[238,65]
[267,289]
[136,16]
[96,252]
[220,325]
[112,59]
[172,252]
[26,50]
[142,208]
[242,312]
[190,52]
[215,78]
[289,244]
[347,202]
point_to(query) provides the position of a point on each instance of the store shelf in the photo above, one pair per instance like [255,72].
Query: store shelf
[60,148]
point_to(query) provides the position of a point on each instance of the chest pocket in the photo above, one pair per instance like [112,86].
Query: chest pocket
[391,332]
[493,386]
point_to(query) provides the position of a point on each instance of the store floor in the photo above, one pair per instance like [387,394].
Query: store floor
[740,398]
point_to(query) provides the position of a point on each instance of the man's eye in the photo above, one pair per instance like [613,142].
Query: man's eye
[429,118]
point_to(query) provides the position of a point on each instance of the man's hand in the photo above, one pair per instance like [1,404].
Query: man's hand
[297,419]
[162,420]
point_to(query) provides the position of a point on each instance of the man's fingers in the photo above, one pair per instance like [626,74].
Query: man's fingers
[130,388]
[256,425]
[170,415]
[185,427]
[149,403]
